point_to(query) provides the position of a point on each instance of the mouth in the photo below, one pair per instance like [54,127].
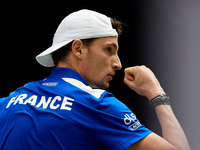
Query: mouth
[110,76]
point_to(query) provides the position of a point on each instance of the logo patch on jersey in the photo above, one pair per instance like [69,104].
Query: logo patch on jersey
[131,121]
[50,83]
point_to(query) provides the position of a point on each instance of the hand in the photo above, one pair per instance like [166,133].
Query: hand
[143,81]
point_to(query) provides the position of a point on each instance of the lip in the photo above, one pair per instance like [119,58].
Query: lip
[111,76]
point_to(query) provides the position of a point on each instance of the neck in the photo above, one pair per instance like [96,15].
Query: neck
[70,64]
[66,65]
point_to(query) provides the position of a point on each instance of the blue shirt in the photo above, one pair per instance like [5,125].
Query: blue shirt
[63,112]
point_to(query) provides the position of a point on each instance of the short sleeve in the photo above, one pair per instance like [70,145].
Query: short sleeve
[116,126]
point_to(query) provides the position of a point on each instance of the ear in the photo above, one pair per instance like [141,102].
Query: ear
[77,46]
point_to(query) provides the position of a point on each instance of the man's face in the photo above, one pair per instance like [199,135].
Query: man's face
[100,62]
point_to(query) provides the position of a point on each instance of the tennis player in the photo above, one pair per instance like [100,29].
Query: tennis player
[71,109]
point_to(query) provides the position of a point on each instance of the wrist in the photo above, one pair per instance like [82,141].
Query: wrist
[161,99]
[152,94]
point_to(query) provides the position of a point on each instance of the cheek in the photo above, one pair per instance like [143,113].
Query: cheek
[96,67]
[96,70]
[101,67]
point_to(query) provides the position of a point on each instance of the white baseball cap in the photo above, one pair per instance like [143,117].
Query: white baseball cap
[83,24]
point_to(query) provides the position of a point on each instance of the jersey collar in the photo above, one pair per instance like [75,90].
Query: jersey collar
[62,72]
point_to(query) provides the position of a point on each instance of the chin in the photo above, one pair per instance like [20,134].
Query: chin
[105,86]
[100,86]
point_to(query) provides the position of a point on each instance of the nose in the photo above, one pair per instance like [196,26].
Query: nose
[117,63]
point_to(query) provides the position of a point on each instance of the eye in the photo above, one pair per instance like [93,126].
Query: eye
[108,49]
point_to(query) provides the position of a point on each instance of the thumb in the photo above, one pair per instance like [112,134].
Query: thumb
[129,74]
[129,77]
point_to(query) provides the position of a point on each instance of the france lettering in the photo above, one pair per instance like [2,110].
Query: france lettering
[42,101]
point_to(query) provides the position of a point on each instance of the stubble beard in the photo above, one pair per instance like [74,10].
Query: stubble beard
[99,85]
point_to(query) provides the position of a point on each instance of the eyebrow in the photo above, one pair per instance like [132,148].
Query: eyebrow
[113,45]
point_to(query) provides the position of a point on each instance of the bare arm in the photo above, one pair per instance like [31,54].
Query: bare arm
[142,80]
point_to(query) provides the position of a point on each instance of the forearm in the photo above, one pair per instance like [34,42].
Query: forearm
[143,81]
[171,129]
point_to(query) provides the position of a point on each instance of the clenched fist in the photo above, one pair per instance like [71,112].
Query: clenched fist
[143,81]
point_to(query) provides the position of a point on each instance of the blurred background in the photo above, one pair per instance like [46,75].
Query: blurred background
[163,35]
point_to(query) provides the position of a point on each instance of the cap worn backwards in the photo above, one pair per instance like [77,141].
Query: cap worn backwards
[83,24]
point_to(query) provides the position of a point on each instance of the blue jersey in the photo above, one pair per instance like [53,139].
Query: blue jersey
[63,112]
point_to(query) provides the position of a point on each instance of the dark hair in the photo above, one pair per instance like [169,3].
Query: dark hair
[118,25]
[62,53]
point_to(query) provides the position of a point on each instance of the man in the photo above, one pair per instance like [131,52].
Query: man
[70,109]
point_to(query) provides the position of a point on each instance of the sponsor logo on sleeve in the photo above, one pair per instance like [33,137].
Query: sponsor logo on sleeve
[131,121]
